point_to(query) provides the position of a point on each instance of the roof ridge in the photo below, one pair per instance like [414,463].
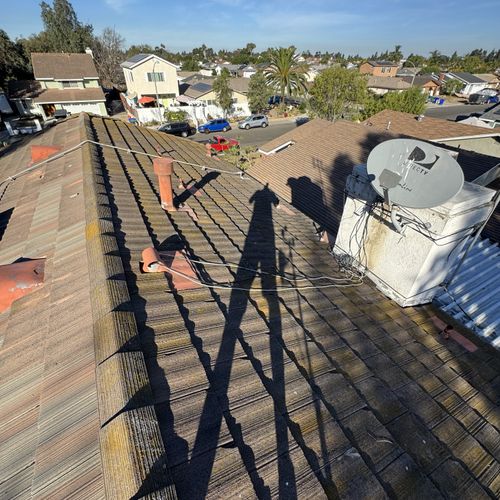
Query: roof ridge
[130,439]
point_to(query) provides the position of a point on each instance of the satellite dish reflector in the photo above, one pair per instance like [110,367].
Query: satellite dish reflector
[414,174]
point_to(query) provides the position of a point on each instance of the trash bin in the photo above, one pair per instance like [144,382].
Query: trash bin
[441,102]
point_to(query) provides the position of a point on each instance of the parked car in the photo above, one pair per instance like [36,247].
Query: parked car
[219,143]
[217,125]
[254,121]
[182,129]
[60,114]
[274,100]
[485,96]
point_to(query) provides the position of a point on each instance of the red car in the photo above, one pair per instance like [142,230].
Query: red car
[219,143]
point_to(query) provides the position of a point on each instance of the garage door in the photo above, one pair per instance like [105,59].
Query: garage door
[79,107]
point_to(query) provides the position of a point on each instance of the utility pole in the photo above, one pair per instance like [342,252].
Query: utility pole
[156,92]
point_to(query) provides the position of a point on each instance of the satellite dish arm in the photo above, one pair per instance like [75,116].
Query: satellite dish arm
[394,219]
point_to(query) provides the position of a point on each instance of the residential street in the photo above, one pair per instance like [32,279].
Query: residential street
[254,136]
[259,136]
[452,111]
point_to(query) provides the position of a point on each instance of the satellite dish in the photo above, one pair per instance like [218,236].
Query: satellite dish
[414,174]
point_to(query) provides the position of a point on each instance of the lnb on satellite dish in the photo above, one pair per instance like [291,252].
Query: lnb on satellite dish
[414,174]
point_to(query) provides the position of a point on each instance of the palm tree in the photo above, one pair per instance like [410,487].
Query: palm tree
[285,72]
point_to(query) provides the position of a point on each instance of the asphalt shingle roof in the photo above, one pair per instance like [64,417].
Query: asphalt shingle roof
[70,95]
[221,393]
[63,66]
[429,128]
[382,82]
[382,63]
[468,77]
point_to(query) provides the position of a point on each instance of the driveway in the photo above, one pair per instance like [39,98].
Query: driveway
[254,136]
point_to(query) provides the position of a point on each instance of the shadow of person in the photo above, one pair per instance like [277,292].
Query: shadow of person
[258,259]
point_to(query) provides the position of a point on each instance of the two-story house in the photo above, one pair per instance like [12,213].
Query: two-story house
[379,68]
[148,75]
[62,81]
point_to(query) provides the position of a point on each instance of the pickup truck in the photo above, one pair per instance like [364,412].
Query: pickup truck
[219,143]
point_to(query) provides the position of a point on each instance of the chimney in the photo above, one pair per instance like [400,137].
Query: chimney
[88,51]
[388,125]
[164,168]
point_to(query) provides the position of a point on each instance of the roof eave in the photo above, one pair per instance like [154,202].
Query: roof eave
[142,61]
[458,138]
[58,101]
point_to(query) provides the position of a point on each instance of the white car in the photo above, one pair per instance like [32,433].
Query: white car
[254,121]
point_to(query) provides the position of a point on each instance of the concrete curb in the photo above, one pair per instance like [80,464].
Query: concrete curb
[132,452]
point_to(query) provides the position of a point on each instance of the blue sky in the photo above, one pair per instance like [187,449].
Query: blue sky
[352,27]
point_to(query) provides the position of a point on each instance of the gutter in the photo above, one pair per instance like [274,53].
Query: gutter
[277,148]
[58,101]
[465,137]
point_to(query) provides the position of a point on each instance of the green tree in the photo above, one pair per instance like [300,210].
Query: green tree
[108,54]
[258,93]
[14,65]
[408,101]
[451,86]
[337,92]
[190,64]
[396,55]
[63,32]
[286,73]
[223,91]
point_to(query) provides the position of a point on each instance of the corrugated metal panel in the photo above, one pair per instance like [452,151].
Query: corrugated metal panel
[472,298]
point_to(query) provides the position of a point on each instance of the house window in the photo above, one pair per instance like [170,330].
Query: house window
[156,77]
[70,85]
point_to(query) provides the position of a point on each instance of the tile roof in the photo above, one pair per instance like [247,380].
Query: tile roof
[313,394]
[63,66]
[311,173]
[48,399]
[382,82]
[50,96]
[431,129]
